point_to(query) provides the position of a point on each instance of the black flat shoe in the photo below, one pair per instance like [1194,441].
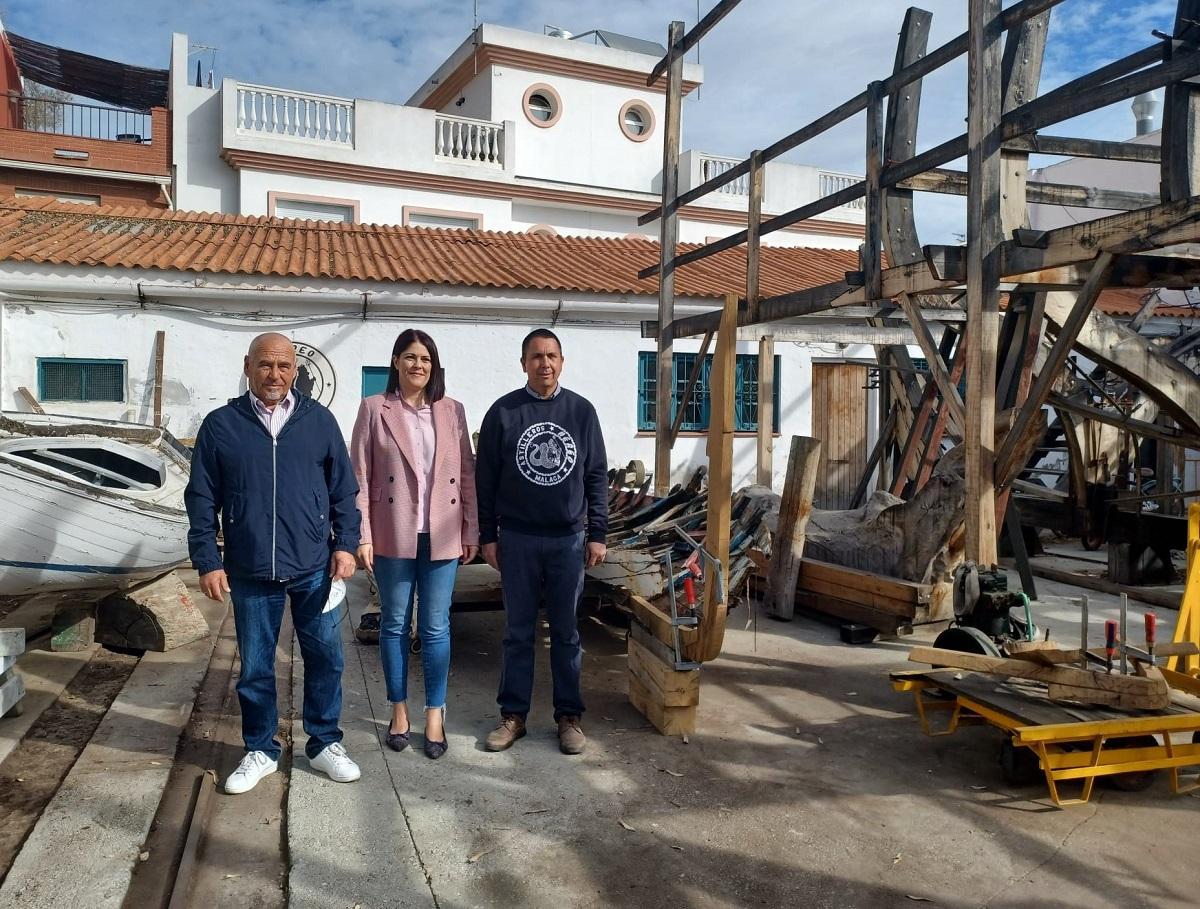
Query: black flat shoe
[434,750]
[398,741]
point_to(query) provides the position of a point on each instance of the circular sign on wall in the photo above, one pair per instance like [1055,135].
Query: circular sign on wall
[314,374]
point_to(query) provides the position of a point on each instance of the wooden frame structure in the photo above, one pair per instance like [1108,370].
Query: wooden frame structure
[1052,278]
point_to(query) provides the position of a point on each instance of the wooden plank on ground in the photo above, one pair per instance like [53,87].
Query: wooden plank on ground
[1163,598]
[868,581]
[787,550]
[30,400]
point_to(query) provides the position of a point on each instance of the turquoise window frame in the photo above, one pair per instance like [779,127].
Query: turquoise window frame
[745,408]
[86,379]
[374,380]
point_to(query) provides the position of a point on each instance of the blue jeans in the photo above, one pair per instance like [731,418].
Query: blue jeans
[538,571]
[258,611]
[431,582]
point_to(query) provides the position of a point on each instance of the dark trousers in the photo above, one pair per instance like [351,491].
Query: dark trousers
[258,612]
[537,571]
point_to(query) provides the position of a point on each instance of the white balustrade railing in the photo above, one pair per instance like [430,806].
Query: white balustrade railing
[294,115]
[471,141]
[830,183]
[711,166]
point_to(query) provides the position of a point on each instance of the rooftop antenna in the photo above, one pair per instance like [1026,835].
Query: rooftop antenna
[475,40]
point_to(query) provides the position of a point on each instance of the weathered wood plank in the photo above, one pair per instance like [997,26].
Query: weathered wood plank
[658,622]
[668,240]
[766,412]
[983,296]
[787,549]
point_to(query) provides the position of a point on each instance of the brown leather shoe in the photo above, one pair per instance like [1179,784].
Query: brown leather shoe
[510,728]
[571,739]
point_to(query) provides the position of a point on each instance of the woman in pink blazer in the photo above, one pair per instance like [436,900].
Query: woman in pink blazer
[416,491]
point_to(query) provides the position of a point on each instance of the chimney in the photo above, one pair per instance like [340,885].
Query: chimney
[1144,107]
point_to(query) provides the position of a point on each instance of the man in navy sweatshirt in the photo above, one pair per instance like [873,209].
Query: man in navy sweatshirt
[541,481]
[273,465]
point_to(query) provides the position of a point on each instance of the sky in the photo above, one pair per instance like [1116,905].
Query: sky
[770,66]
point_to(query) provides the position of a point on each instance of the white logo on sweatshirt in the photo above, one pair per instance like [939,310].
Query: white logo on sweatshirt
[546,454]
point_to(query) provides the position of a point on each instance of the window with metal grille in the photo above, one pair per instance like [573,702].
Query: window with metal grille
[76,379]
[696,413]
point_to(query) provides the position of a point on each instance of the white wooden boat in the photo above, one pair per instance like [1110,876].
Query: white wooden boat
[87,505]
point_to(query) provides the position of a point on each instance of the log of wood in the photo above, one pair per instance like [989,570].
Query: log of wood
[157,616]
[787,550]
[1161,598]
[1129,692]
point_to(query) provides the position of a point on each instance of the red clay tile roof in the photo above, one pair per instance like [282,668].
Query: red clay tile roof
[1125,302]
[50,232]
[55,233]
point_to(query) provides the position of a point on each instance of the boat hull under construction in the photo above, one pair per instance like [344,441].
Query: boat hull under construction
[87,505]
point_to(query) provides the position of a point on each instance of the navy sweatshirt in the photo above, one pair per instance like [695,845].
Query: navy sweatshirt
[285,504]
[541,467]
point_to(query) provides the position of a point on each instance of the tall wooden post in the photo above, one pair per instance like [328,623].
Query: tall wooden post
[873,202]
[984,90]
[766,411]
[711,632]
[160,343]
[668,237]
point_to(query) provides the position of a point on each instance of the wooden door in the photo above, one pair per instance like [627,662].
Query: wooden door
[839,420]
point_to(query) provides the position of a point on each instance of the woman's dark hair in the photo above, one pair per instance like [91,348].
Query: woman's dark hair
[436,389]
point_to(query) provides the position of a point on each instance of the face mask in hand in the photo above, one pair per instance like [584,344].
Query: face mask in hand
[337,593]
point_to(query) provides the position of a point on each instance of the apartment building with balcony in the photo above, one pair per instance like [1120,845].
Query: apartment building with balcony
[515,131]
[81,128]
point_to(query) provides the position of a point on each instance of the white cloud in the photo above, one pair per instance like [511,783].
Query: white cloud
[771,65]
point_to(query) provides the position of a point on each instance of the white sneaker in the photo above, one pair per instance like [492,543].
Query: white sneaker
[254,766]
[335,763]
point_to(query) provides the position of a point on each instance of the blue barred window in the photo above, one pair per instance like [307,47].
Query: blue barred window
[696,415]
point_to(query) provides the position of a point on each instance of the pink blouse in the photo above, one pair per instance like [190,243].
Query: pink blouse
[420,430]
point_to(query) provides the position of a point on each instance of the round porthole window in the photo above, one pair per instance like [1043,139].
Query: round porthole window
[542,105]
[636,120]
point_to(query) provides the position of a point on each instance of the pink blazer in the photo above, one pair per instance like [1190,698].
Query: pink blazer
[385,466]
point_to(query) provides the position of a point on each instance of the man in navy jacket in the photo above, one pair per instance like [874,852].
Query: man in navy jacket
[273,466]
[541,481]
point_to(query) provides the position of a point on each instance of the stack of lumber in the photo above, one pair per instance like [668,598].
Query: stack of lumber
[667,697]
[889,605]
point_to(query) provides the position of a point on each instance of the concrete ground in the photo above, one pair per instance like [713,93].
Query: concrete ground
[808,782]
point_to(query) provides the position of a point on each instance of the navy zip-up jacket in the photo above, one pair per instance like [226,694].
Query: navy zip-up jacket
[285,504]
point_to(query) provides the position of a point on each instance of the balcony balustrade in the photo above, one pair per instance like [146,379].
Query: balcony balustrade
[279,113]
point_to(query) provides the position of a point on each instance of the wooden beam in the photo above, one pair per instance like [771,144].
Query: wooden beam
[933,448]
[937,368]
[794,512]
[766,411]
[668,239]
[1021,71]
[900,139]
[983,295]
[753,219]
[711,630]
[160,343]
[954,183]
[1130,271]
[873,200]
[1085,148]
[1137,427]
[690,388]
[1181,112]
[1162,378]
[678,49]
[832,333]
[1133,691]
[1051,370]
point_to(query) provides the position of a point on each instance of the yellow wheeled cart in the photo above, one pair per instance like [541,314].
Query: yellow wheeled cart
[1066,743]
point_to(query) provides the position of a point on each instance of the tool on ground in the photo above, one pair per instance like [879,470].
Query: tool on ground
[1151,630]
[1110,641]
[1124,633]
